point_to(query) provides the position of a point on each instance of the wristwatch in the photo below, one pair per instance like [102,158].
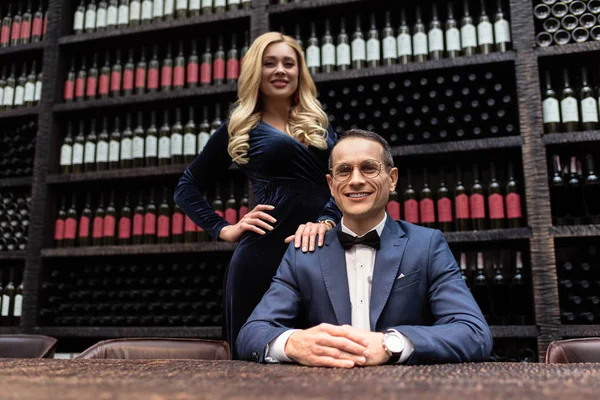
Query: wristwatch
[393,344]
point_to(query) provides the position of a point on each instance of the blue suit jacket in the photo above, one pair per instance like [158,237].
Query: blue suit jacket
[431,304]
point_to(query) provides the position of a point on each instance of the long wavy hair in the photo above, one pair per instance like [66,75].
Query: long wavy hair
[307,121]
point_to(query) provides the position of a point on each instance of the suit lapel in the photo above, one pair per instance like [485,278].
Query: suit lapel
[332,258]
[387,263]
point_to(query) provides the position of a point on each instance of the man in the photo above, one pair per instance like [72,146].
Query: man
[379,291]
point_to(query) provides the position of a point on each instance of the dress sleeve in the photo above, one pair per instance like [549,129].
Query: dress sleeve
[203,173]
[331,210]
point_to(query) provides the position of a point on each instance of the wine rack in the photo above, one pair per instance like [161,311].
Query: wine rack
[518,67]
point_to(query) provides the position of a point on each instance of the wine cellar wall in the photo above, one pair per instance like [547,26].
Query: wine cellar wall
[492,117]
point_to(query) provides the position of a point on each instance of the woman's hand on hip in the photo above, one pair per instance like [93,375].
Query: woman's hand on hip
[307,235]
[253,221]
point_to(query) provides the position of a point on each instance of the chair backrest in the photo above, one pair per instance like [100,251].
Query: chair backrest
[157,348]
[573,351]
[27,346]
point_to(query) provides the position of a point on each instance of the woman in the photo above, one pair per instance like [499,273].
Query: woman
[279,136]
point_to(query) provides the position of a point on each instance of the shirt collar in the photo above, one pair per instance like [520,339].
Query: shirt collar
[379,227]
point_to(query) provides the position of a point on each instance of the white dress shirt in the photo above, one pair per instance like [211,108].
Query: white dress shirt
[360,263]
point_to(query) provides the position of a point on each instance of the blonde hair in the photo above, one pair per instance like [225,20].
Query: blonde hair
[307,121]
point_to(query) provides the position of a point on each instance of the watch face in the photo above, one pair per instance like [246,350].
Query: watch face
[394,343]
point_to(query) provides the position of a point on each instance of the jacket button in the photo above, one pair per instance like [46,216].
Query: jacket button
[255,355]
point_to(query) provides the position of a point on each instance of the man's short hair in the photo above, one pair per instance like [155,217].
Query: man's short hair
[386,154]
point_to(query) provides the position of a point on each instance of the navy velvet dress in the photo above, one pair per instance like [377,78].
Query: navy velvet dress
[285,174]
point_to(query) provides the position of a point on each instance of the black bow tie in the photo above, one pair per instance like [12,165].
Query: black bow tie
[370,239]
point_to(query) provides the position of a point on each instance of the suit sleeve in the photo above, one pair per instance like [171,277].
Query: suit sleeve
[203,173]
[331,210]
[460,332]
[276,313]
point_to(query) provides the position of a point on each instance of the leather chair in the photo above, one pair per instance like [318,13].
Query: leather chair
[157,348]
[573,351]
[27,346]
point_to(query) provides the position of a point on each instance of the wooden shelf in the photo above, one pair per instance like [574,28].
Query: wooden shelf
[579,330]
[147,98]
[458,146]
[19,112]
[143,172]
[22,48]
[10,330]
[15,182]
[208,332]
[574,231]
[573,48]
[571,137]
[479,59]
[514,331]
[307,4]
[18,255]
[488,236]
[142,249]
[139,30]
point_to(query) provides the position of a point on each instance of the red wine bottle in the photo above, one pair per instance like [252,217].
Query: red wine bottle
[140,73]
[150,220]
[98,223]
[15,33]
[125,222]
[219,63]
[192,67]
[83,237]
[71,224]
[514,212]
[25,35]
[6,24]
[477,202]
[177,221]
[137,232]
[426,205]
[217,203]
[411,203]
[115,76]
[91,86]
[179,69]
[104,85]
[393,205]
[444,204]
[190,231]
[231,206]
[59,224]
[69,89]
[110,221]
[153,68]
[38,20]
[128,74]
[233,64]
[164,218]
[166,73]
[206,66]
[461,204]
[495,200]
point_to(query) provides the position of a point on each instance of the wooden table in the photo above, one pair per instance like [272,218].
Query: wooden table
[189,379]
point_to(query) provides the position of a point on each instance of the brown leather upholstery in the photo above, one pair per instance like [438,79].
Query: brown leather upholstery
[158,348]
[27,346]
[573,351]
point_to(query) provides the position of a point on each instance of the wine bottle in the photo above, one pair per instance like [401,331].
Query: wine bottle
[589,104]
[246,46]
[110,220]
[69,88]
[25,35]
[480,288]
[90,146]
[71,224]
[342,50]
[192,67]
[485,31]
[135,12]
[219,63]
[123,14]
[15,34]
[328,49]
[373,45]
[9,89]
[98,223]
[246,4]
[112,14]
[464,272]
[140,73]
[217,203]
[164,141]
[404,40]
[66,152]
[153,67]
[138,221]
[568,105]
[128,74]
[204,130]
[233,4]
[157,11]
[519,297]
[500,295]
[495,200]
[102,147]
[591,190]
[151,145]
[393,205]
[91,84]
[177,139]
[78,149]
[59,223]
[181,8]
[477,202]
[435,36]
[576,200]
[90,17]
[233,64]
[426,205]
[419,38]
[411,203]
[444,204]
[18,308]
[177,224]
[147,9]
[514,212]
[389,42]
[83,236]
[550,106]
[36,28]
[139,138]
[125,222]
[501,30]
[189,138]
[206,66]
[150,220]
[164,218]
[77,21]
[114,146]
[166,74]
[20,88]
[101,15]
[461,204]
[558,194]
[179,69]
[8,298]
[468,35]
[452,34]
[231,206]
[126,155]
[115,76]
[191,232]
[359,47]
[104,85]
[216,123]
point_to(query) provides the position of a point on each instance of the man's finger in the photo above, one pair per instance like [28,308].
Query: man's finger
[344,345]
[311,238]
[289,239]
[321,233]
[324,351]
[348,332]
[298,236]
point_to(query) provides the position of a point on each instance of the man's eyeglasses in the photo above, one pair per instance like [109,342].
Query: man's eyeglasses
[369,169]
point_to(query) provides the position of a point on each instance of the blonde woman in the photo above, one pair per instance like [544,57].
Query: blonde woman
[280,137]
